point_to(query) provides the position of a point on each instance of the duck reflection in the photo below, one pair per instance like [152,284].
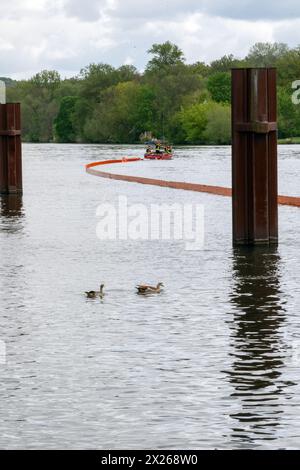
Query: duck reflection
[258,348]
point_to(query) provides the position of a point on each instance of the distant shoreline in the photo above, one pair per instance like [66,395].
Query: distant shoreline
[289,141]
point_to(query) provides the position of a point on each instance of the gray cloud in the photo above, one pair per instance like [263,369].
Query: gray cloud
[68,34]
[87,10]
[252,9]
[153,9]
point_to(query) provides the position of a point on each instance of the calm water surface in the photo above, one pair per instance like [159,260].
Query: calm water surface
[213,362]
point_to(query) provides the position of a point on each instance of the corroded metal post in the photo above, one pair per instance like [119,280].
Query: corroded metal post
[254,156]
[10,149]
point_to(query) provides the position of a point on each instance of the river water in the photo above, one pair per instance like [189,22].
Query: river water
[212,362]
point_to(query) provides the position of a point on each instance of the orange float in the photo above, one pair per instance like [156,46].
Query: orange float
[202,188]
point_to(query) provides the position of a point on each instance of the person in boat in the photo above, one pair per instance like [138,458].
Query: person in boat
[169,149]
[149,150]
[158,147]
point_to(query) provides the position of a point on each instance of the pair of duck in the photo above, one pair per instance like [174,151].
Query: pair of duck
[141,289]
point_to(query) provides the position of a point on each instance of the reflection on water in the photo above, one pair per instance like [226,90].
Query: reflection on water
[133,372]
[258,349]
[11,205]
[11,213]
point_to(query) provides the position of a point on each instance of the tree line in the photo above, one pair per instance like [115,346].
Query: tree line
[183,103]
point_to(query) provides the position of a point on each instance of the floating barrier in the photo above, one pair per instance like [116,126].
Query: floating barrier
[200,188]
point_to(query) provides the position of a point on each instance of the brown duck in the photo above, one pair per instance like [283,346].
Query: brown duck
[145,289]
[92,294]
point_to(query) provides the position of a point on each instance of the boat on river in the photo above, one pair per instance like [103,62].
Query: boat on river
[159,151]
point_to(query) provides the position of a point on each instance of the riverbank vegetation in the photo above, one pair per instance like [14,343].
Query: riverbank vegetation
[185,103]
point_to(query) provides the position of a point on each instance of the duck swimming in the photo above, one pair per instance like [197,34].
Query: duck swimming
[145,289]
[92,294]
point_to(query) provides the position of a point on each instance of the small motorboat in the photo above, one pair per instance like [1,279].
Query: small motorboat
[159,151]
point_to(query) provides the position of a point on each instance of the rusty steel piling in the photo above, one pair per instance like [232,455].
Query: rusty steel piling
[10,149]
[254,156]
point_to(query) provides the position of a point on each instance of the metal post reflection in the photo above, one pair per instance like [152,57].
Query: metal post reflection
[258,349]
[11,205]
[11,213]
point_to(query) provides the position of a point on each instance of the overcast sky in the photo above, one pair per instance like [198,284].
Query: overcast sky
[66,35]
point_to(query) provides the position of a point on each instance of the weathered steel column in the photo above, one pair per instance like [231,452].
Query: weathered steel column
[254,156]
[10,149]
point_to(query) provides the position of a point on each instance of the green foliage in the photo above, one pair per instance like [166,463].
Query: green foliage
[126,110]
[289,67]
[288,114]
[39,106]
[200,68]
[83,111]
[266,54]
[207,122]
[46,82]
[218,129]
[225,64]
[194,122]
[46,78]
[94,78]
[165,55]
[64,126]
[182,102]
[219,86]
[175,131]
[173,83]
